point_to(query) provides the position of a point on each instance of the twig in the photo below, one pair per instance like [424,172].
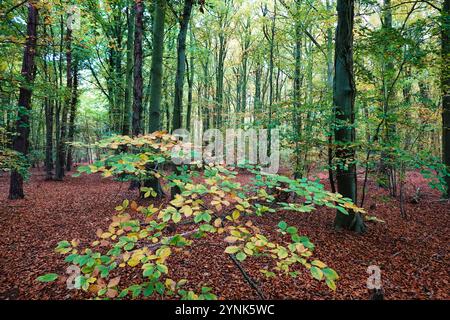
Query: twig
[247,277]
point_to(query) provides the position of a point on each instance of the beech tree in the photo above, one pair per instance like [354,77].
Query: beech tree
[183,21]
[138,61]
[446,89]
[157,66]
[344,109]
[21,139]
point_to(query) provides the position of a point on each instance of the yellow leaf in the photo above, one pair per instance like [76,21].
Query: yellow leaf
[235,233]
[170,284]
[319,264]
[163,253]
[133,262]
[217,222]
[126,256]
[187,210]
[178,201]
[231,249]
[106,235]
[230,239]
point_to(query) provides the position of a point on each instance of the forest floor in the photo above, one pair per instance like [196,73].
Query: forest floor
[412,253]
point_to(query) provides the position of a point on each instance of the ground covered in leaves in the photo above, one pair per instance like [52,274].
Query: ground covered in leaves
[412,253]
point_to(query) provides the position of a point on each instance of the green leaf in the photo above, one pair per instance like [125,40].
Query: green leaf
[163,268]
[341,209]
[241,256]
[316,273]
[330,274]
[331,284]
[159,286]
[231,249]
[282,225]
[49,277]
[291,230]
[148,291]
[176,217]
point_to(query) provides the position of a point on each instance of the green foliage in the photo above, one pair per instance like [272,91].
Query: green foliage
[11,160]
[49,277]
[217,204]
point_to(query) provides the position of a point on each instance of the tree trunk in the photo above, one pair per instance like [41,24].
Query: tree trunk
[386,159]
[48,139]
[219,81]
[48,103]
[344,99]
[446,89]
[181,65]
[297,96]
[138,81]
[129,71]
[257,103]
[190,80]
[157,66]
[73,111]
[20,141]
[61,147]
[245,53]
[271,66]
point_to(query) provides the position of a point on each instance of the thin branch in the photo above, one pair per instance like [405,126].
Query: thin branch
[14,8]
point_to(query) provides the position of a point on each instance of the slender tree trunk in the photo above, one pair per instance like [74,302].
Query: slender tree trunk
[446,89]
[190,80]
[73,111]
[157,66]
[48,103]
[271,66]
[344,99]
[138,81]
[206,108]
[246,47]
[329,96]
[48,138]
[329,54]
[297,98]
[61,148]
[20,141]
[257,102]
[129,71]
[117,70]
[219,81]
[181,65]
[386,159]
